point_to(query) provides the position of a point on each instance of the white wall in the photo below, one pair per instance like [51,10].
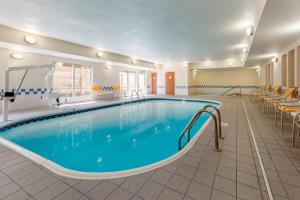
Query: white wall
[181,79]
[36,78]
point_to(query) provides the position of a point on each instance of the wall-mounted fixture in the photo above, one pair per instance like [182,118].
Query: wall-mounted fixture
[99,54]
[185,64]
[133,61]
[207,64]
[275,59]
[59,64]
[30,39]
[257,68]
[107,66]
[250,31]
[194,73]
[16,56]
[157,65]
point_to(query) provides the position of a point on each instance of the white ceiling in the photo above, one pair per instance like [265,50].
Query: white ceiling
[156,30]
[279,28]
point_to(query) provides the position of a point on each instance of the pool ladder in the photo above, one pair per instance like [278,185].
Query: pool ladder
[217,122]
[137,93]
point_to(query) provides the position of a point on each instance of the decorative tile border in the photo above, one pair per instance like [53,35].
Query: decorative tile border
[29,91]
[225,86]
[107,88]
[35,91]
[176,87]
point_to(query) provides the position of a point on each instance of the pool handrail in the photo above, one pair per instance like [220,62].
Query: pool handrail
[139,91]
[219,119]
[132,93]
[187,129]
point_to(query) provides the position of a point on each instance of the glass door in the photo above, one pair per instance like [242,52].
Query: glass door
[142,84]
[127,82]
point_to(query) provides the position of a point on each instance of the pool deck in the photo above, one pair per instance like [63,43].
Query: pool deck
[202,173]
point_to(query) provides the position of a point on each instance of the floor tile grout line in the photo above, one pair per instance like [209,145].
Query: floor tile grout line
[282,149]
[236,157]
[202,158]
[255,165]
[275,167]
[258,154]
[21,188]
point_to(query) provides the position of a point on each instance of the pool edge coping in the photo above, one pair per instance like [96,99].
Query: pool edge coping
[62,171]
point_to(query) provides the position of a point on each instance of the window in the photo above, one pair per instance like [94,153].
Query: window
[72,80]
[130,81]
[142,85]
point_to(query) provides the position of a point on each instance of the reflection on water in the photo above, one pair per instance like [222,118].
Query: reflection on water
[110,139]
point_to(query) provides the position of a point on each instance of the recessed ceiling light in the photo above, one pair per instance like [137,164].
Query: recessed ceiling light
[17,56]
[30,39]
[99,54]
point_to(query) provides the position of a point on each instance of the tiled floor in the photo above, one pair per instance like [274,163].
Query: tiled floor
[202,173]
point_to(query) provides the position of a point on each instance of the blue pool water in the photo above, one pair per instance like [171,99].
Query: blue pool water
[110,139]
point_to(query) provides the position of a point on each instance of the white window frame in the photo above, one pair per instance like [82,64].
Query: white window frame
[74,80]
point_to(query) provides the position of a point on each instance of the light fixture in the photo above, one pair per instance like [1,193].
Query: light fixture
[107,66]
[245,50]
[207,64]
[230,63]
[30,39]
[133,60]
[17,56]
[194,73]
[275,59]
[157,65]
[185,64]
[59,64]
[243,59]
[99,54]
[250,31]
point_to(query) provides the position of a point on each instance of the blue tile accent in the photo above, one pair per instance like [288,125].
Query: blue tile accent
[29,91]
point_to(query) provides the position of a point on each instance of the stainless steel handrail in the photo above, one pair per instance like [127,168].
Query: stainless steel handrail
[219,119]
[227,91]
[132,92]
[240,91]
[187,129]
[139,91]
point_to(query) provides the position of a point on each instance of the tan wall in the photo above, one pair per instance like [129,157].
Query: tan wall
[228,77]
[11,38]
[286,71]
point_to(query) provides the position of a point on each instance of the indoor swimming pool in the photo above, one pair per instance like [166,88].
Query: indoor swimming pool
[108,139]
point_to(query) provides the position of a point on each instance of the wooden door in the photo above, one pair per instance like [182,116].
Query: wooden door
[154,82]
[170,83]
